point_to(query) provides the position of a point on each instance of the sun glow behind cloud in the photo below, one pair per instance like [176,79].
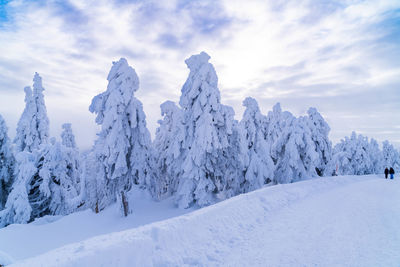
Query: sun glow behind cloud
[340,56]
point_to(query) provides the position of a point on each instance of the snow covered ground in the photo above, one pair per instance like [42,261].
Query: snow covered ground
[333,221]
[20,241]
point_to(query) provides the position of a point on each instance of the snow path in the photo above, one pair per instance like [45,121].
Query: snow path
[338,221]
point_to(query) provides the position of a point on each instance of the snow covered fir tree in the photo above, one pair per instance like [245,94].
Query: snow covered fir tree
[206,170]
[200,154]
[123,149]
[7,162]
[44,172]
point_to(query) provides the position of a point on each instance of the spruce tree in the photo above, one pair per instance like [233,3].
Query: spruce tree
[7,163]
[123,147]
[259,167]
[168,148]
[320,135]
[33,126]
[208,128]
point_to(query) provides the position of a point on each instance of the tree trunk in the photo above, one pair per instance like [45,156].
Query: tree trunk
[124,203]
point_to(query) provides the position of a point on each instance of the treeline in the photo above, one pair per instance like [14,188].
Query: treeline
[200,154]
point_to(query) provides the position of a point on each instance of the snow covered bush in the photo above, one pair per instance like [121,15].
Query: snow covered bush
[6,164]
[123,147]
[208,129]
[259,167]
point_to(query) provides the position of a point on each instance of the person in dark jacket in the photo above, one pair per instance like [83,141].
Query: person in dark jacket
[386,172]
[391,171]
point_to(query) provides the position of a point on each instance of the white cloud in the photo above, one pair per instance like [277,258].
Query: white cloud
[298,52]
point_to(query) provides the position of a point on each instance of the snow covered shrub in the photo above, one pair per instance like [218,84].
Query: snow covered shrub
[208,131]
[123,147]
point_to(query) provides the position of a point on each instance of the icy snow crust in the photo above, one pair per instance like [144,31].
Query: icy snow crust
[335,221]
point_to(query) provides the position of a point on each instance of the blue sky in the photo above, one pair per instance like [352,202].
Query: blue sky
[342,57]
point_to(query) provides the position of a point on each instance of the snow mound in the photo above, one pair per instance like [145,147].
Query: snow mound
[335,221]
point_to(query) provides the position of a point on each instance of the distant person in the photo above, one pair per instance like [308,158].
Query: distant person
[386,172]
[391,171]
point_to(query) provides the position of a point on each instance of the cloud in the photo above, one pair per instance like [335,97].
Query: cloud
[328,54]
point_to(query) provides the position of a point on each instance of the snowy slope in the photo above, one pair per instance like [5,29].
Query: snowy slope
[20,241]
[338,221]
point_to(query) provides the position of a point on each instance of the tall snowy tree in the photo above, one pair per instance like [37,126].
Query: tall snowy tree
[208,128]
[168,146]
[123,148]
[74,168]
[6,164]
[46,173]
[319,134]
[259,167]
[33,126]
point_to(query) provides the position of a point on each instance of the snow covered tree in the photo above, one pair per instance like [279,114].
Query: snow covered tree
[259,167]
[352,156]
[319,134]
[277,122]
[67,137]
[33,126]
[208,128]
[123,147]
[32,133]
[56,179]
[6,164]
[18,208]
[293,149]
[390,156]
[297,156]
[168,146]
[375,155]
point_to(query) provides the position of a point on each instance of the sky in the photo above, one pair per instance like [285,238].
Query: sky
[341,57]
